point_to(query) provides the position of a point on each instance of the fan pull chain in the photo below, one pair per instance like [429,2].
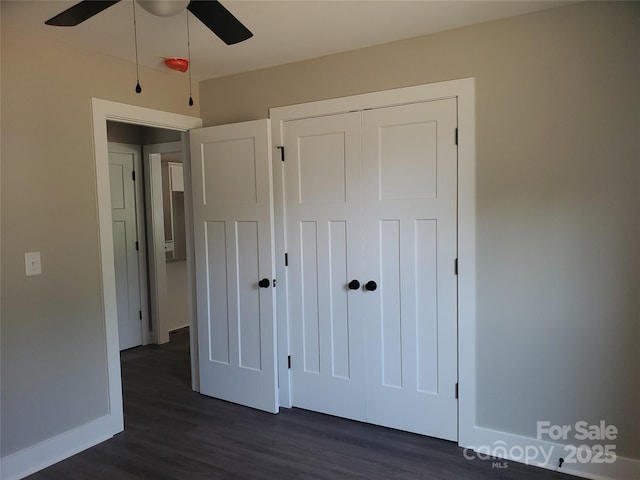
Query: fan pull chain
[135,37]
[189,58]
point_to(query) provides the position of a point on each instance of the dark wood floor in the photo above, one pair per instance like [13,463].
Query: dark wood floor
[173,433]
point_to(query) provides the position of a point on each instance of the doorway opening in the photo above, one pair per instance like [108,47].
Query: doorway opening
[106,111]
[151,285]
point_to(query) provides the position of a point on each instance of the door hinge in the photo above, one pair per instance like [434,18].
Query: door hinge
[281,148]
[286,259]
[140,314]
[456,135]
[289,361]
[137,246]
[133,175]
[455,266]
[456,391]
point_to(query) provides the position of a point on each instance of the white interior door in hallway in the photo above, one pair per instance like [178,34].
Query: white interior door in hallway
[371,202]
[122,164]
[232,215]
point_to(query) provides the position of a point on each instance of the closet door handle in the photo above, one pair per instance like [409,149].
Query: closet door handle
[264,283]
[370,286]
[354,285]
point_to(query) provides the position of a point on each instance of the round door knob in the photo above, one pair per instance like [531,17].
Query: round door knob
[370,286]
[354,285]
[264,283]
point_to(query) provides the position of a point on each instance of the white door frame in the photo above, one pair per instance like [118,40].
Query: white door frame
[464,91]
[151,159]
[101,111]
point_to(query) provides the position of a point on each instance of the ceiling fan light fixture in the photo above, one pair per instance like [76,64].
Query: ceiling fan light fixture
[164,8]
[211,13]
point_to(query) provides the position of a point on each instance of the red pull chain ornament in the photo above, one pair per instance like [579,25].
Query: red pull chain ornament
[177,63]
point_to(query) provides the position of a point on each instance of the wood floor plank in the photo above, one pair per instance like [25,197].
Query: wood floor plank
[174,433]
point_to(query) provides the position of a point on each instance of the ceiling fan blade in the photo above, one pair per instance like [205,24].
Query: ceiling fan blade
[220,21]
[79,13]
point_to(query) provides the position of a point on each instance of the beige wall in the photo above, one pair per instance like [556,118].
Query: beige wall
[53,341]
[558,196]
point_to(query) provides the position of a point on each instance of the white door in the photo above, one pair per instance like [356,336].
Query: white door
[324,250]
[125,239]
[409,206]
[371,196]
[232,203]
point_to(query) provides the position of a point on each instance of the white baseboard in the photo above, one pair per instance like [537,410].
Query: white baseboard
[42,455]
[545,454]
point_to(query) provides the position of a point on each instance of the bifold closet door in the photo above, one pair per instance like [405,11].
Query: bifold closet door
[409,159]
[324,219]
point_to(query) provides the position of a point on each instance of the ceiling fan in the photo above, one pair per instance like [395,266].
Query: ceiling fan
[210,12]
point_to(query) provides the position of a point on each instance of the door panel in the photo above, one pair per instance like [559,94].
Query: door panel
[123,214]
[409,196]
[248,275]
[321,163]
[426,263]
[310,303]
[232,178]
[402,172]
[390,313]
[232,201]
[217,293]
[323,202]
[339,314]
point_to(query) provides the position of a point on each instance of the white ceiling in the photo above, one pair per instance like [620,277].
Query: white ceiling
[284,31]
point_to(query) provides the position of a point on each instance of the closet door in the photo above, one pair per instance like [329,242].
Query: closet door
[409,239]
[233,233]
[324,245]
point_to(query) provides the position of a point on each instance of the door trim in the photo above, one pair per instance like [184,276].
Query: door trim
[101,111]
[464,91]
[155,228]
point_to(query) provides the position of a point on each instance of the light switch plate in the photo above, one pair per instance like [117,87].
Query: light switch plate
[32,263]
